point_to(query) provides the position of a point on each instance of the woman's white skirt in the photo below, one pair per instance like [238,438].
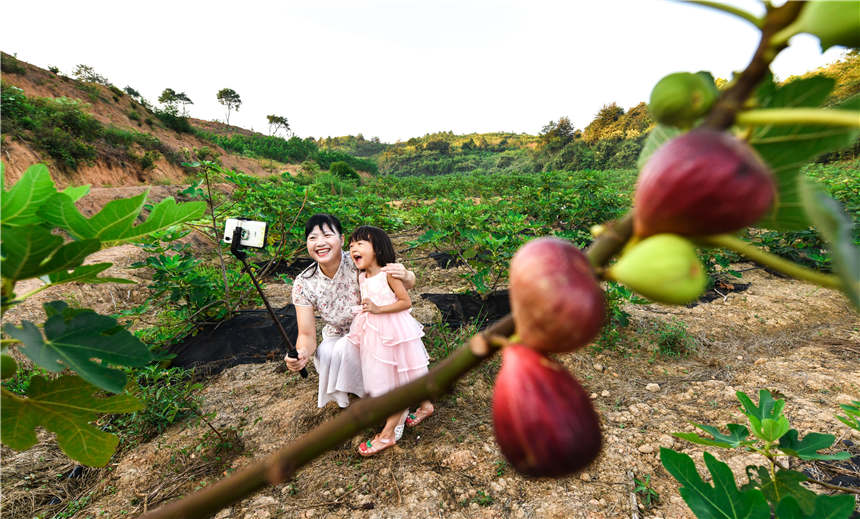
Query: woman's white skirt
[339,366]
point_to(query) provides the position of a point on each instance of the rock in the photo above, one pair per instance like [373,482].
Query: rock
[592,396]
[652,387]
[646,448]
[460,460]
[598,366]
[585,476]
[604,393]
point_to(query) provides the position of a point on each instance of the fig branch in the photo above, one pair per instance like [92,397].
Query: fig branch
[732,100]
[789,268]
[283,464]
[793,116]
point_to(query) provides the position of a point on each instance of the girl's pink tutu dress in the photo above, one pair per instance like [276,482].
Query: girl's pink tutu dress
[391,350]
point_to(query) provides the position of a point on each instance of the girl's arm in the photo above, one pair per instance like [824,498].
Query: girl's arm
[403,301]
[306,342]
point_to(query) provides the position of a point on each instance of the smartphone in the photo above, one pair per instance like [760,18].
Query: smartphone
[253,232]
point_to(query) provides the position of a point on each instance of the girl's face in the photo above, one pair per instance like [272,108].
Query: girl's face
[324,244]
[362,254]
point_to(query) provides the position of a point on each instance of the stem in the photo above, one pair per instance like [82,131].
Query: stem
[792,116]
[773,261]
[211,205]
[824,484]
[730,9]
[732,100]
[281,465]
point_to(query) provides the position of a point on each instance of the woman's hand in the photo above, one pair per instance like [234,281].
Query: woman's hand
[398,271]
[369,306]
[298,363]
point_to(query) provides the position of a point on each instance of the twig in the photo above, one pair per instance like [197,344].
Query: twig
[634,504]
[394,479]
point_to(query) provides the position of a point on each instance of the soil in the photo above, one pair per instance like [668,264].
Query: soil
[799,341]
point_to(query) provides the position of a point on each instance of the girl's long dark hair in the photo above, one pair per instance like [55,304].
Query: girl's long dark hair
[382,246]
[321,220]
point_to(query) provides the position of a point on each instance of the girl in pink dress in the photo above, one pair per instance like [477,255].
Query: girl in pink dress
[388,337]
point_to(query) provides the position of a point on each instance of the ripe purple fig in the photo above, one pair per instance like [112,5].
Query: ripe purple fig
[544,421]
[700,183]
[556,301]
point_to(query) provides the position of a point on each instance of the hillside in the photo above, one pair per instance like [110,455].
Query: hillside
[93,132]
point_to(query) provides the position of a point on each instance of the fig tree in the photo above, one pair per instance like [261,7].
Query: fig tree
[680,98]
[663,267]
[700,183]
[544,422]
[556,302]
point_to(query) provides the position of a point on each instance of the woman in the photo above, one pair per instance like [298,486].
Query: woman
[330,287]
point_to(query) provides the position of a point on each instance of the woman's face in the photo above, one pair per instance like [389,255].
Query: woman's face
[324,244]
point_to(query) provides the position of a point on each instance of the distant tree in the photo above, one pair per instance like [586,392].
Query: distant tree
[468,145]
[133,93]
[556,135]
[169,98]
[88,74]
[276,122]
[230,99]
[184,100]
[438,145]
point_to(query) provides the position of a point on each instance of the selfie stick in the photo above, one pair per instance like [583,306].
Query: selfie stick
[240,255]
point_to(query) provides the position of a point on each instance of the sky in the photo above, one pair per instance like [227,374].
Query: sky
[395,69]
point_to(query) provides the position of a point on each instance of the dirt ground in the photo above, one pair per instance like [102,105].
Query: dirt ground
[800,342]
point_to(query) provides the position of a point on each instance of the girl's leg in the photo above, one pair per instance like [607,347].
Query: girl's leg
[386,438]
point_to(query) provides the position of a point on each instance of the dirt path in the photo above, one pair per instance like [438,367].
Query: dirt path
[800,342]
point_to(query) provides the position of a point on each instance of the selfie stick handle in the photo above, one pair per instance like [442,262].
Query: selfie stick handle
[240,254]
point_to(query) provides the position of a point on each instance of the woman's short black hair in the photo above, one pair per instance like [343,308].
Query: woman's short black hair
[382,246]
[322,220]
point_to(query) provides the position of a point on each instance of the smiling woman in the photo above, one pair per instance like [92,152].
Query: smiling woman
[329,287]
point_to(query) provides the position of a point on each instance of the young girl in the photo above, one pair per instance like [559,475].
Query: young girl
[388,337]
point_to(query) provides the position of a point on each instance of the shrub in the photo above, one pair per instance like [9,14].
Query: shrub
[344,171]
[10,65]
[54,70]
[174,122]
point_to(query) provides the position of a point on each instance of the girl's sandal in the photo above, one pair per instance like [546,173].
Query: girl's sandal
[370,447]
[419,416]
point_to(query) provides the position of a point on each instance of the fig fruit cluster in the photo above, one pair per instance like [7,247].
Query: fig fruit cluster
[700,183]
[544,422]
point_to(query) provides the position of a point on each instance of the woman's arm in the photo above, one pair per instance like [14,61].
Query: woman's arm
[398,271]
[306,342]
[403,301]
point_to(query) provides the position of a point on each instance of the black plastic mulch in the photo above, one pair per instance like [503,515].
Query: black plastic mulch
[459,309]
[251,337]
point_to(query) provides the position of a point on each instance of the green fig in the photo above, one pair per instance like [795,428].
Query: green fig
[834,23]
[8,367]
[663,267]
[680,98]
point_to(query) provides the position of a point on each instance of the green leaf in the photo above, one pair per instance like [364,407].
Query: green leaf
[85,274]
[76,193]
[723,499]
[826,507]
[19,205]
[852,411]
[787,483]
[786,148]
[114,223]
[64,406]
[73,338]
[836,228]
[736,437]
[807,449]
[656,138]
[766,418]
[32,251]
